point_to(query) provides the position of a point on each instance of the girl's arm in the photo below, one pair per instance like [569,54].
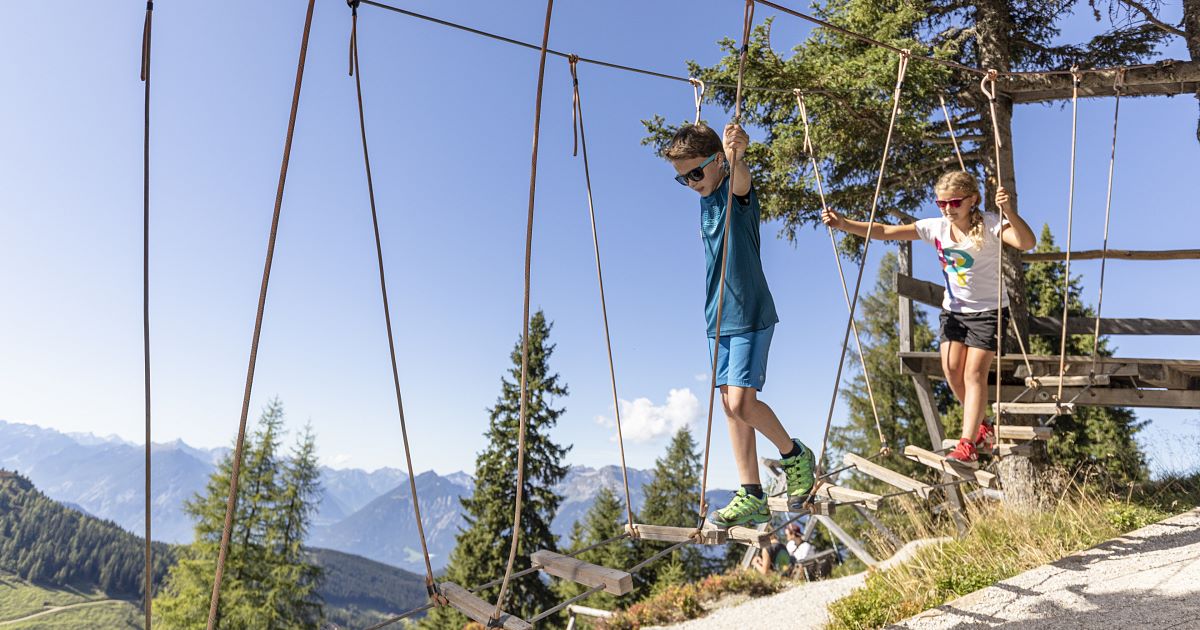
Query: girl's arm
[1020,236]
[881,231]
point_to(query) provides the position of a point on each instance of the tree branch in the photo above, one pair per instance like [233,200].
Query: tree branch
[1150,17]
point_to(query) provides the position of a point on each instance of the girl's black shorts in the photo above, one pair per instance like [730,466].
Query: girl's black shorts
[975,330]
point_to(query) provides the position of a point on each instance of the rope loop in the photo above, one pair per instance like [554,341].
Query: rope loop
[353,4]
[573,63]
[698,89]
[1119,82]
[989,79]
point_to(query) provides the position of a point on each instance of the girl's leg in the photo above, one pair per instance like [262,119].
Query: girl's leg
[741,436]
[974,401]
[954,355]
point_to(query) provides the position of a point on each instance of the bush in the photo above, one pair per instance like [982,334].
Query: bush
[682,602]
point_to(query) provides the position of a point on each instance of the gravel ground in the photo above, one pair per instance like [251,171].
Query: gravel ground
[1149,578]
[799,608]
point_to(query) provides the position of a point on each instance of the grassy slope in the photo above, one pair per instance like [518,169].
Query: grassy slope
[19,598]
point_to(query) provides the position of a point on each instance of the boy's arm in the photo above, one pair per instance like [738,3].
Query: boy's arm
[736,140]
[881,231]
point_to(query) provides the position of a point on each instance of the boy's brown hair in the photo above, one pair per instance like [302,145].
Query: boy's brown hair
[693,141]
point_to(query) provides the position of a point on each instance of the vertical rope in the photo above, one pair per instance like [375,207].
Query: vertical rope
[812,158]
[537,122]
[953,136]
[1112,162]
[231,504]
[1062,353]
[148,578]
[356,71]
[747,25]
[698,95]
[901,70]
[577,118]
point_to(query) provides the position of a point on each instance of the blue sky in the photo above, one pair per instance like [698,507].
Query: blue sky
[449,118]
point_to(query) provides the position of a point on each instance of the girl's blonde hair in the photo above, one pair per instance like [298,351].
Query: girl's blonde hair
[965,184]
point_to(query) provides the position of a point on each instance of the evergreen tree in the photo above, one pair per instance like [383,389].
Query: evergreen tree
[671,499]
[1099,438]
[604,520]
[269,582]
[481,549]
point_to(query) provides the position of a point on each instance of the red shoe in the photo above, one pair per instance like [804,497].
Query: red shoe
[986,442]
[965,453]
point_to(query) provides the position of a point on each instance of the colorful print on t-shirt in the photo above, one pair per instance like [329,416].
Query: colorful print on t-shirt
[954,261]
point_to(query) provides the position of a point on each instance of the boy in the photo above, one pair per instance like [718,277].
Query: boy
[747,313]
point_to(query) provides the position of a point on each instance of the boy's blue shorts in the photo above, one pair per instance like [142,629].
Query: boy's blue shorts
[742,361]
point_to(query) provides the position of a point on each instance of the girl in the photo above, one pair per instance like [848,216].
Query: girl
[965,239]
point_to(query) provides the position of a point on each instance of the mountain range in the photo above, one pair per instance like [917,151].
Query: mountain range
[365,513]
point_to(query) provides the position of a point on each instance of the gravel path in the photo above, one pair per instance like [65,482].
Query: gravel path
[801,607]
[1149,578]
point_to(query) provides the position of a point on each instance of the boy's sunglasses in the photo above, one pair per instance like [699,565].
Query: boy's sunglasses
[953,203]
[696,174]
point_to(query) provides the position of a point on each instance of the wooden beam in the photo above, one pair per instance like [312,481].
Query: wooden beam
[589,612]
[614,581]
[850,495]
[922,291]
[1021,432]
[1115,254]
[750,536]
[468,604]
[892,477]
[1125,397]
[1100,380]
[665,533]
[851,543]
[798,505]
[1034,408]
[940,463]
[1166,78]
[933,425]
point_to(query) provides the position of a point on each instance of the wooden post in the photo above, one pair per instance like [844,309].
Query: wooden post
[851,543]
[933,420]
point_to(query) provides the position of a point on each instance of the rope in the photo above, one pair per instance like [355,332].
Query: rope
[953,136]
[356,72]
[1118,87]
[698,94]
[231,505]
[524,416]
[577,121]
[1062,356]
[747,24]
[145,76]
[812,158]
[901,69]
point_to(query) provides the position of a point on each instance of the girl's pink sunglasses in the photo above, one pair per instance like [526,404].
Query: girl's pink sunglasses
[953,203]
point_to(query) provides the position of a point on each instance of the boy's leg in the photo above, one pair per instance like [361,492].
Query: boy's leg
[745,446]
[744,406]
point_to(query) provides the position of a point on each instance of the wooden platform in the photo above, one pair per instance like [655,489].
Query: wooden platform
[614,581]
[940,463]
[1099,380]
[1034,408]
[885,475]
[1021,432]
[707,535]
[478,610]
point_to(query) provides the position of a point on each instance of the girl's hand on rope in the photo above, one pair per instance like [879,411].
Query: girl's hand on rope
[1002,201]
[833,219]
[736,140]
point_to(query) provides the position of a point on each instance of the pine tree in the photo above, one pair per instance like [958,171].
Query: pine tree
[671,499]
[604,520]
[268,582]
[481,549]
[1096,438]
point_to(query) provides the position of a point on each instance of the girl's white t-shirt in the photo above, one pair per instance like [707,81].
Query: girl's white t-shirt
[969,272]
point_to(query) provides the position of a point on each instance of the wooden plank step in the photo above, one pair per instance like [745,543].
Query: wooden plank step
[1020,432]
[614,581]
[798,505]
[938,462]
[892,477]
[1035,409]
[749,535]
[709,535]
[1099,380]
[838,493]
[468,604]
[1003,449]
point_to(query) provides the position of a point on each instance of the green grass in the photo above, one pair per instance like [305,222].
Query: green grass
[19,598]
[111,615]
[1000,544]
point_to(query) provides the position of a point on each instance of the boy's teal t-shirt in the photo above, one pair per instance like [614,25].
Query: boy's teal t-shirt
[748,305]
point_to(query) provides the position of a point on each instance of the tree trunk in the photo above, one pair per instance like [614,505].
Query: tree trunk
[1191,26]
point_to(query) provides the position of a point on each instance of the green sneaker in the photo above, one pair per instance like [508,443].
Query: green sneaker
[799,471]
[744,509]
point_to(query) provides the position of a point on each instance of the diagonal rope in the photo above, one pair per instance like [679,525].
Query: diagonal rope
[356,71]
[1062,354]
[577,119]
[901,69]
[953,136]
[1112,162]
[524,415]
[231,505]
[812,158]
[747,24]
[145,76]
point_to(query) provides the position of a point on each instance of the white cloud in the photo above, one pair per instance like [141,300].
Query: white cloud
[339,460]
[642,420]
[703,376]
